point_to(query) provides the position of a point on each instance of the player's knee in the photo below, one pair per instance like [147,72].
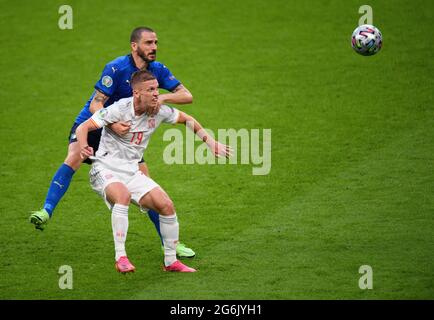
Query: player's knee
[123,198]
[166,207]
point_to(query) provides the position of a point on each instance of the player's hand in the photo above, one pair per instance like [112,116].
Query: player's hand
[86,152]
[121,127]
[220,149]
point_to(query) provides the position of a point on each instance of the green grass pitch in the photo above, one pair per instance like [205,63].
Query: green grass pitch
[352,177]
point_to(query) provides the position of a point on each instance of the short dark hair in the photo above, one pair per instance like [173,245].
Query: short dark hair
[137,33]
[141,76]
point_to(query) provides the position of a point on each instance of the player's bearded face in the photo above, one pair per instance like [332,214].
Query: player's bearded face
[147,47]
[148,57]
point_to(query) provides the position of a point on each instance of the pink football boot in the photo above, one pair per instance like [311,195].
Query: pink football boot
[123,265]
[178,266]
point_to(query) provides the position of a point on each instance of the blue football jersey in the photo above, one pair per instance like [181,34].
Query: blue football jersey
[115,82]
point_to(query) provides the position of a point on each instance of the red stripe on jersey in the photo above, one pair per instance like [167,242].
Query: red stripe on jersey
[94,123]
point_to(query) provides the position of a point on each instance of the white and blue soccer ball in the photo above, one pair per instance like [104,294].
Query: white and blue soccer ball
[366,40]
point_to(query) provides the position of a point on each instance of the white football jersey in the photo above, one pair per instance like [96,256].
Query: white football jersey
[123,153]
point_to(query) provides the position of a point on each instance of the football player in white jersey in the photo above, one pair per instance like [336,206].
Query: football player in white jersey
[115,174]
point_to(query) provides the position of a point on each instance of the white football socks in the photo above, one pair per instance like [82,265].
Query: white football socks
[169,229]
[120,228]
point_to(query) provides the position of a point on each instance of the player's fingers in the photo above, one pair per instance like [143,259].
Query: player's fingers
[126,127]
[86,152]
[225,150]
[224,153]
[217,153]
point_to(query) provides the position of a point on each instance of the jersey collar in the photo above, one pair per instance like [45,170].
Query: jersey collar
[130,57]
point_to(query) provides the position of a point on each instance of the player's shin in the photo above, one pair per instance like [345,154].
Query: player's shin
[120,229]
[155,218]
[169,229]
[58,187]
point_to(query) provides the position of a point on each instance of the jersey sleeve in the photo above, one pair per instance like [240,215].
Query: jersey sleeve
[109,80]
[167,80]
[169,114]
[105,116]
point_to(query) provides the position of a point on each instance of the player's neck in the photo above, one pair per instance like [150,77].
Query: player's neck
[139,62]
[138,111]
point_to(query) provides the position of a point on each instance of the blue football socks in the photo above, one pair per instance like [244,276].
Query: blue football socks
[155,218]
[58,187]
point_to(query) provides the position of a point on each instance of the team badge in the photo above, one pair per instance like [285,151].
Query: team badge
[107,81]
[151,123]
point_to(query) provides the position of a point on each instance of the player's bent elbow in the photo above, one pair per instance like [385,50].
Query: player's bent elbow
[185,97]
[189,98]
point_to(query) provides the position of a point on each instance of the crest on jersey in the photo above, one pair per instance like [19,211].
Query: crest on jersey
[107,81]
[151,123]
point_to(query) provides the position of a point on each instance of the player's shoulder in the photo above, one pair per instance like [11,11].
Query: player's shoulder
[120,63]
[156,65]
[166,111]
[122,105]
[125,102]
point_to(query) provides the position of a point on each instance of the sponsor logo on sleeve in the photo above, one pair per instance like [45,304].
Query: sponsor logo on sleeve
[102,113]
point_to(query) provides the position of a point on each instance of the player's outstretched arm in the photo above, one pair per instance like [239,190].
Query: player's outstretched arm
[219,149]
[82,133]
[180,95]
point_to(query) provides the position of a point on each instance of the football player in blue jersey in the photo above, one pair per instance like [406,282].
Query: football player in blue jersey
[114,84]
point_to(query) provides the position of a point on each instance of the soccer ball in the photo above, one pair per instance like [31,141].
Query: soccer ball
[366,40]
